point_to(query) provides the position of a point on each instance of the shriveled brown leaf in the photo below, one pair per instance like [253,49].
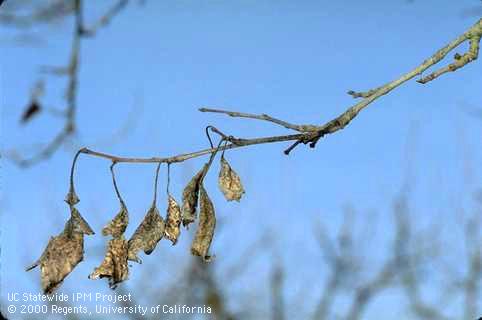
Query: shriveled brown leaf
[62,254]
[207,224]
[114,267]
[173,220]
[190,197]
[147,235]
[77,223]
[118,225]
[229,182]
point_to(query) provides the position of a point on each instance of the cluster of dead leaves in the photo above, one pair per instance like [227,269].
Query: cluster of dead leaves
[66,250]
[229,184]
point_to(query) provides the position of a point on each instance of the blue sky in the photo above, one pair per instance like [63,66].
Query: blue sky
[294,60]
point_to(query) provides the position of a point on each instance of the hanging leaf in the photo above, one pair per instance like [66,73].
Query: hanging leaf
[173,220]
[147,234]
[207,224]
[78,223]
[114,267]
[118,225]
[61,256]
[229,182]
[62,253]
[190,197]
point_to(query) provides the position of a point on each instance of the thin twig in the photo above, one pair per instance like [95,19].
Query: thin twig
[58,9]
[473,34]
[460,61]
[72,197]
[265,117]
[187,156]
[277,289]
[71,96]
[115,185]
[168,178]
[106,18]
[155,184]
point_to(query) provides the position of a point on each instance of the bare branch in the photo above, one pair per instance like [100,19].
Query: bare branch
[339,267]
[265,117]
[310,133]
[471,284]
[277,301]
[106,18]
[71,71]
[460,61]
[365,293]
[473,34]
[51,12]
[45,153]
[238,143]
[71,97]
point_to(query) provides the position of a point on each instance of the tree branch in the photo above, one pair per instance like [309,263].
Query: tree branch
[71,71]
[311,136]
[106,18]
[473,35]
[265,117]
[238,143]
[309,133]
[460,60]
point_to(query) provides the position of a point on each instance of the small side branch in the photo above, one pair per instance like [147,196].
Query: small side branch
[265,117]
[473,34]
[460,61]
[365,94]
[106,18]
[45,153]
[71,72]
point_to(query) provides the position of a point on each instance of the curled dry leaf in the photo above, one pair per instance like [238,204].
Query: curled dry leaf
[61,256]
[207,224]
[114,267]
[78,223]
[190,197]
[62,253]
[147,234]
[229,182]
[118,225]
[173,220]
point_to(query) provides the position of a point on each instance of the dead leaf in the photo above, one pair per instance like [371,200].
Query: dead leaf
[173,220]
[118,225]
[147,235]
[207,224]
[190,198]
[114,267]
[63,252]
[229,182]
[78,223]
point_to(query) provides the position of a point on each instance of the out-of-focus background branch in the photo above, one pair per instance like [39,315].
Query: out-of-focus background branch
[29,14]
